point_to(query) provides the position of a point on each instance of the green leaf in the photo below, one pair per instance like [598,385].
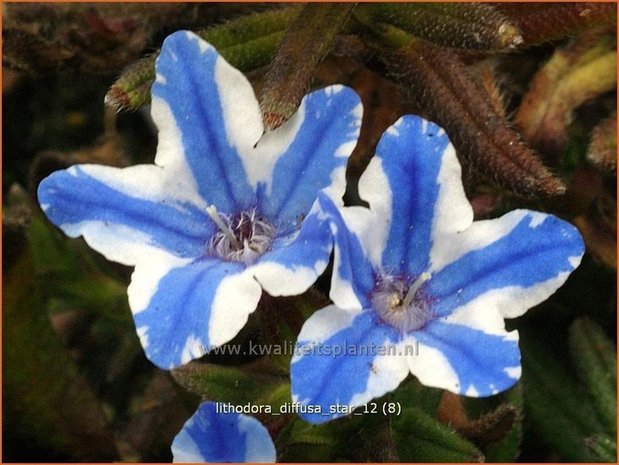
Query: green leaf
[246,43]
[314,435]
[603,448]
[306,42]
[594,357]
[559,412]
[508,449]
[360,437]
[413,393]
[461,25]
[437,80]
[248,384]
[421,438]
[541,22]
[69,274]
[42,387]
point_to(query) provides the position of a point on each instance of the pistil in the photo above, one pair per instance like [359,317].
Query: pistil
[211,210]
[401,305]
[412,291]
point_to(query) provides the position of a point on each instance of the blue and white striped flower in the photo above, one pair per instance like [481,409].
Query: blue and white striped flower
[223,213]
[210,436]
[419,287]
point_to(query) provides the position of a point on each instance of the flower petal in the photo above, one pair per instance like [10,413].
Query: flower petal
[209,436]
[294,262]
[483,364]
[206,112]
[125,213]
[322,135]
[414,182]
[192,308]
[342,362]
[354,273]
[522,258]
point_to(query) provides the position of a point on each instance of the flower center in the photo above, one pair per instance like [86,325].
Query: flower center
[400,305]
[241,238]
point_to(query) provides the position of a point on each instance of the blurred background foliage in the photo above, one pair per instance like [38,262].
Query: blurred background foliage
[526,92]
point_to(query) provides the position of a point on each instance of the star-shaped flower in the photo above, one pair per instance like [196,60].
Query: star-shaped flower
[419,287]
[223,213]
[212,436]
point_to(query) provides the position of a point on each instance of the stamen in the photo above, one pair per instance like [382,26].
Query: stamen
[241,238]
[400,305]
[223,227]
[410,295]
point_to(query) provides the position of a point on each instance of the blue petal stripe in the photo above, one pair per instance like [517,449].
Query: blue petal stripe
[71,199]
[186,81]
[325,378]
[308,251]
[354,266]
[209,436]
[330,120]
[526,256]
[180,310]
[212,436]
[412,152]
[479,359]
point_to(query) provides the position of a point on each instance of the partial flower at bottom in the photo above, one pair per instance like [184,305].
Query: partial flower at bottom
[223,213]
[420,288]
[210,436]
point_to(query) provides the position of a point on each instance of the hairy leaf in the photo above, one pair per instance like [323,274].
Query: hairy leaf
[250,383]
[43,390]
[544,381]
[582,70]
[247,43]
[443,88]
[603,448]
[474,26]
[595,359]
[488,428]
[421,438]
[541,22]
[306,42]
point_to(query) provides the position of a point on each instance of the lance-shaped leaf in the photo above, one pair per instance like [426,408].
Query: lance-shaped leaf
[487,77]
[555,403]
[490,427]
[421,438]
[439,83]
[69,272]
[595,359]
[363,437]
[251,383]
[603,448]
[508,449]
[544,21]
[412,392]
[582,70]
[305,43]
[247,43]
[475,26]
[45,395]
[494,423]
[602,151]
